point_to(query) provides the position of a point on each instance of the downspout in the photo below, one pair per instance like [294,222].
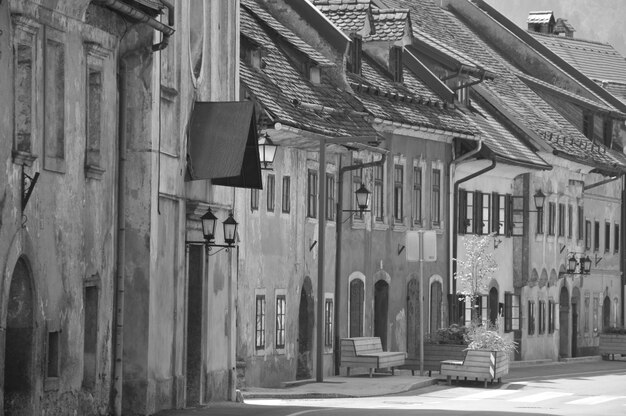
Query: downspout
[622,262]
[142,17]
[339,232]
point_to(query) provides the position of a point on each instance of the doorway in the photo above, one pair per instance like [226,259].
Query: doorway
[193,357]
[574,327]
[564,323]
[305,331]
[18,352]
[436,304]
[606,313]
[413,318]
[381,306]
[493,306]
[357,289]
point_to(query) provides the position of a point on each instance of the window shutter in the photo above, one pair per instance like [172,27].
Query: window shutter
[462,214]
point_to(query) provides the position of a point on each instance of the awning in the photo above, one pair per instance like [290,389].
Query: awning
[223,144]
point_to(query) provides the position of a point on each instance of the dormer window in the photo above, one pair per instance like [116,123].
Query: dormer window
[607,131]
[315,74]
[588,124]
[395,63]
[461,93]
[255,58]
[355,54]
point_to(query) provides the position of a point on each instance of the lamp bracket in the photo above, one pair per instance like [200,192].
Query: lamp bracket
[312,245]
[400,249]
[562,248]
[597,259]
[28,184]
[209,245]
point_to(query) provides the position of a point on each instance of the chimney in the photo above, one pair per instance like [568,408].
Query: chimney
[355,54]
[563,27]
[541,22]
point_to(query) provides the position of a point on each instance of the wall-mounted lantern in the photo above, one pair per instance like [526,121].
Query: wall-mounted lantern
[267,151]
[362,198]
[582,264]
[209,221]
[540,199]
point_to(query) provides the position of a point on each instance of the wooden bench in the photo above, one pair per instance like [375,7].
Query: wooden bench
[368,352]
[612,345]
[478,365]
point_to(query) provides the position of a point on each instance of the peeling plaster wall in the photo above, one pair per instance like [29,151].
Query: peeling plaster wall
[67,234]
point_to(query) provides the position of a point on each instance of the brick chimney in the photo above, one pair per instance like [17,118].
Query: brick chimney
[541,22]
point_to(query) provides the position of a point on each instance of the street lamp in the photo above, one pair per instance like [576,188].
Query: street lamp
[362,198]
[267,151]
[209,221]
[582,263]
[540,199]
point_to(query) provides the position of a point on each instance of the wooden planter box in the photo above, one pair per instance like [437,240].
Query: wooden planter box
[479,365]
[611,344]
[434,354]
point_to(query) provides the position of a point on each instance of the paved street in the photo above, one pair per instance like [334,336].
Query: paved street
[580,388]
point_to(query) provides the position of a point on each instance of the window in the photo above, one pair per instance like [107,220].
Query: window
[24,83]
[587,235]
[561,225]
[254,199]
[94,114]
[581,222]
[280,321]
[260,323]
[511,312]
[607,237]
[395,63]
[312,194]
[551,316]
[551,218]
[499,213]
[378,193]
[517,216]
[616,239]
[607,131]
[271,185]
[540,221]
[54,92]
[596,236]
[436,198]
[570,220]
[531,317]
[596,314]
[90,337]
[542,316]
[586,314]
[466,211]
[484,223]
[52,368]
[588,124]
[398,196]
[286,200]
[330,196]
[417,195]
[357,180]
[354,55]
[328,323]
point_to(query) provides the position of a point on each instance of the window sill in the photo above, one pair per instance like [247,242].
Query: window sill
[94,172]
[51,383]
[381,226]
[400,227]
[23,158]
[54,164]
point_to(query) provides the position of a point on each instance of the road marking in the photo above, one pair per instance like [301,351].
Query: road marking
[304,412]
[594,400]
[534,398]
[489,394]
[565,375]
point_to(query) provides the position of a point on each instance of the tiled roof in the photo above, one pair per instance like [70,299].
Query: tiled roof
[514,94]
[618,89]
[408,104]
[253,7]
[388,24]
[540,17]
[279,83]
[596,60]
[499,139]
[532,81]
[348,15]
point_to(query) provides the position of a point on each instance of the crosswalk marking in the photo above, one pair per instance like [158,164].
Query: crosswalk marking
[489,394]
[538,397]
[594,400]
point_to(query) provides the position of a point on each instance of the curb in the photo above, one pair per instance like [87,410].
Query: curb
[285,395]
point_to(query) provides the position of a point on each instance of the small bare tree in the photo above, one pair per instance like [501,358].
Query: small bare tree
[476,269]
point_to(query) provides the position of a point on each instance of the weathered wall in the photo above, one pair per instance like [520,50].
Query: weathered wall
[67,235]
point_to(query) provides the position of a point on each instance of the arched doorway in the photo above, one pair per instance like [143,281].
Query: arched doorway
[412,318]
[564,323]
[493,305]
[305,331]
[381,306]
[18,352]
[357,294]
[606,313]
[436,300]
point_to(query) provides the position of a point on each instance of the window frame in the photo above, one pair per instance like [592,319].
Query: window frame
[312,193]
[596,235]
[331,203]
[398,193]
[561,220]
[270,193]
[616,238]
[587,235]
[254,199]
[379,193]
[531,317]
[417,198]
[280,323]
[551,218]
[511,312]
[551,316]
[329,312]
[286,195]
[260,325]
[435,213]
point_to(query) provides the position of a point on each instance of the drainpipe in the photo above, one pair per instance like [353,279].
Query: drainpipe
[339,232]
[142,17]
[622,261]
